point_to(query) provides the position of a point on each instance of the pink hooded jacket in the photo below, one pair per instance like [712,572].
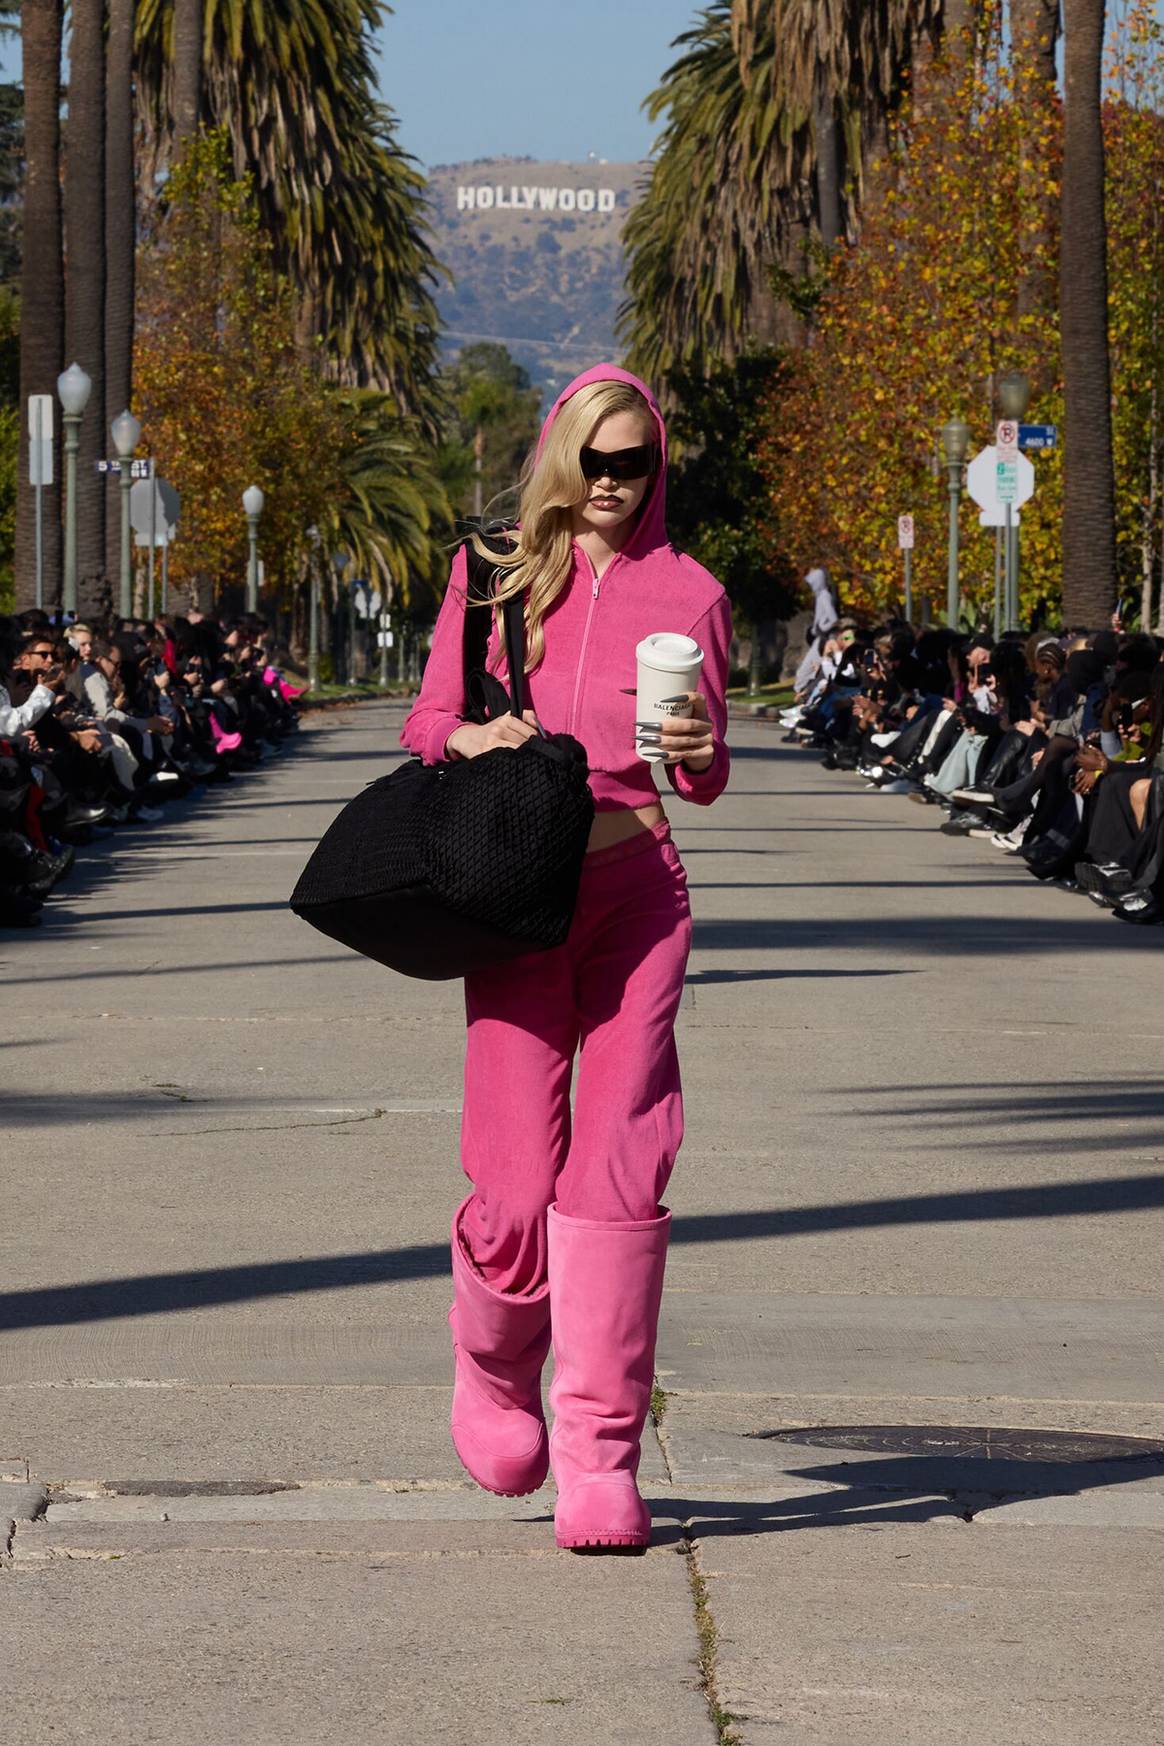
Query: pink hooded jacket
[591,630]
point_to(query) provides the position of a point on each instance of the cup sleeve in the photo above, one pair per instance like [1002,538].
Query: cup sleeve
[713,633]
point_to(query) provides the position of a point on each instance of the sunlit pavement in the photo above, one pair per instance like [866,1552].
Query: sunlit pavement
[921,1187]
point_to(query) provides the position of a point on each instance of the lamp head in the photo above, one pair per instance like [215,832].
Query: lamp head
[73,390]
[253,500]
[956,441]
[1014,395]
[126,434]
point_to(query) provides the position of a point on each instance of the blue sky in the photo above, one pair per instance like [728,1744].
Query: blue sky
[543,78]
[473,80]
[478,78]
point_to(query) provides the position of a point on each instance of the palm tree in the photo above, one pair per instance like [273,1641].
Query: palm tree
[1034,31]
[85,263]
[186,25]
[389,502]
[42,325]
[770,111]
[293,83]
[1089,559]
[120,234]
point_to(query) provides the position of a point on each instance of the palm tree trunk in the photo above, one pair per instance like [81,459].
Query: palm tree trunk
[1088,477]
[43,320]
[186,105]
[120,237]
[828,166]
[1034,32]
[85,271]
[1034,28]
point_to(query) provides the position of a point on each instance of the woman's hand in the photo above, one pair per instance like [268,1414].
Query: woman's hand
[684,739]
[471,739]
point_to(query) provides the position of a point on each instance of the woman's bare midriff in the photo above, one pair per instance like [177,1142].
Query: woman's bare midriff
[615,827]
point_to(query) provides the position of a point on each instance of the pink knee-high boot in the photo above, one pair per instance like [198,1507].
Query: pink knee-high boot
[499,1347]
[606,1284]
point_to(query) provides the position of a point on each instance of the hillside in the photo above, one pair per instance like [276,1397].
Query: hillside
[536,255]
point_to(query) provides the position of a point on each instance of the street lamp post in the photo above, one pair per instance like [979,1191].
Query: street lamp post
[73,389]
[253,501]
[955,443]
[1014,397]
[313,536]
[126,436]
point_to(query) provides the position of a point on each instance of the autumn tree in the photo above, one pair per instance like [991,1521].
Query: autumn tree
[953,280]
[225,397]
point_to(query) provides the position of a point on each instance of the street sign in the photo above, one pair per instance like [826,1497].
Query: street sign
[137,469]
[1038,436]
[982,479]
[146,509]
[1006,440]
[905,533]
[1006,481]
[40,439]
[171,503]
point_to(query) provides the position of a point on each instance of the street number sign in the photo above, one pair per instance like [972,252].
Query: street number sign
[1038,436]
[137,469]
[905,533]
[1006,440]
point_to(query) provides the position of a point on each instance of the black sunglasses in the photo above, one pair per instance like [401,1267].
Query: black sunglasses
[625,464]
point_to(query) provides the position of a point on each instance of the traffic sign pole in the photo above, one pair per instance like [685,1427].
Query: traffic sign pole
[153,535]
[997,582]
[908,585]
[38,439]
[1008,535]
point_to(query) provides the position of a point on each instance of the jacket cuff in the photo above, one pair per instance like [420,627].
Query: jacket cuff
[702,786]
[438,736]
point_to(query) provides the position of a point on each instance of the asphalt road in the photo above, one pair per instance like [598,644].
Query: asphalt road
[921,1187]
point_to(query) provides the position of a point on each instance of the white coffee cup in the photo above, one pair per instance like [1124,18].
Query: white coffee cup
[668,665]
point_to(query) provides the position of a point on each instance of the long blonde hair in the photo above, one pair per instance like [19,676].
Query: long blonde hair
[553,484]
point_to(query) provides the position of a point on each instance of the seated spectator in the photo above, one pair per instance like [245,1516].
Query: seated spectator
[100,730]
[1053,751]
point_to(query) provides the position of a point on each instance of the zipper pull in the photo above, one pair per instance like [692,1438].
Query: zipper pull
[596,588]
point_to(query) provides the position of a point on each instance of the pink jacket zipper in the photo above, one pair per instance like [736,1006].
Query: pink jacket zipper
[586,637]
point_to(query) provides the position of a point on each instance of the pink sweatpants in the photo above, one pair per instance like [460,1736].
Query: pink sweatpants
[610,994]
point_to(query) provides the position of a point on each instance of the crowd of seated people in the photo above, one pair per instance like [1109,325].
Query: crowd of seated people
[100,729]
[1051,748]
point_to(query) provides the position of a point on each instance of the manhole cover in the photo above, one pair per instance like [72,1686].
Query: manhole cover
[978,1442]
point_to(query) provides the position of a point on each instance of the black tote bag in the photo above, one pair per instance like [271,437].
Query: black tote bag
[438,870]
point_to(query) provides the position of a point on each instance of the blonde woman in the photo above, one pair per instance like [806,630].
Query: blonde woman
[563,1228]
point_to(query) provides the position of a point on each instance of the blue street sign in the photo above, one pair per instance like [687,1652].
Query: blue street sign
[1038,436]
[109,466]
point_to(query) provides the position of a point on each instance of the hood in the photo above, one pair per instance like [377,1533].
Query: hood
[817,579]
[651,529]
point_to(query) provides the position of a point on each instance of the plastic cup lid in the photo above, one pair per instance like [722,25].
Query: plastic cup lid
[669,651]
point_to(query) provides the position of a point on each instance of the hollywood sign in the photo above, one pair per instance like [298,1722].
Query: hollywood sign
[484,198]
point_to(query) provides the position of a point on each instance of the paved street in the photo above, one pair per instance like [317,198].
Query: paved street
[922,1186]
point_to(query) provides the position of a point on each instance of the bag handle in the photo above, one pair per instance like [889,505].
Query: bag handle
[475,645]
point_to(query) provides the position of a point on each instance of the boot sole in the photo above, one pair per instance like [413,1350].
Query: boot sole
[618,1543]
